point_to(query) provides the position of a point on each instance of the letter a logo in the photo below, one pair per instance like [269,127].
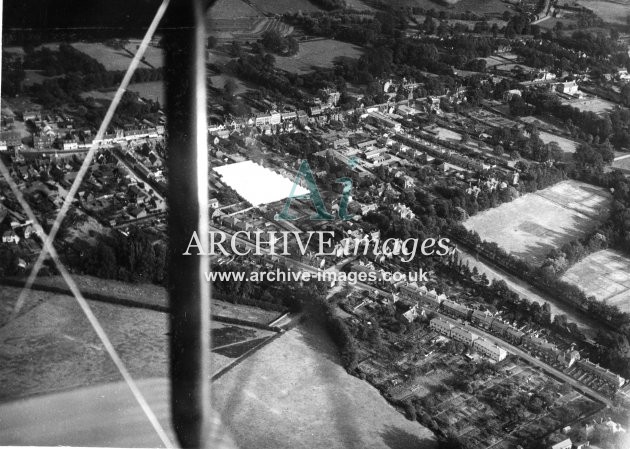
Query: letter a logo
[316,198]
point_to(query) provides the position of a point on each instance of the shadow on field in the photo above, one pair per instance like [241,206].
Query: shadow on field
[397,438]
[342,405]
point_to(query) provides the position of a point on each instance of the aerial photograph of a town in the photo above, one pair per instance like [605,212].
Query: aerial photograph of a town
[304,224]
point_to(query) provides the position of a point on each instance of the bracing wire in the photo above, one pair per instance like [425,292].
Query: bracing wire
[90,155]
[48,247]
[109,347]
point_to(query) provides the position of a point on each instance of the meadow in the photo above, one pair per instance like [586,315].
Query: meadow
[530,226]
[317,53]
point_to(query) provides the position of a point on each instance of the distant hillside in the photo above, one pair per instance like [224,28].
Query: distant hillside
[43,14]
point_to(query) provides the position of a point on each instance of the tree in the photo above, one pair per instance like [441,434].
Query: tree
[625,94]
[230,87]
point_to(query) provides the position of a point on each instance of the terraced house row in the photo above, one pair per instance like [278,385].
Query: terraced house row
[539,347]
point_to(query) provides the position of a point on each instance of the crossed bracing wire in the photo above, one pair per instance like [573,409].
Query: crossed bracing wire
[49,249]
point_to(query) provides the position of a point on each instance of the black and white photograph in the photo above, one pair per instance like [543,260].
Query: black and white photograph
[315,224]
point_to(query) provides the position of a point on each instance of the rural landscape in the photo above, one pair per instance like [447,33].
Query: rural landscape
[422,210]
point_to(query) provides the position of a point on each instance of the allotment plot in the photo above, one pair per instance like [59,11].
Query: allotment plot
[257,184]
[530,226]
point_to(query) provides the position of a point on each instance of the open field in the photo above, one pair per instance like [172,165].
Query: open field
[530,226]
[622,164]
[112,59]
[611,12]
[243,312]
[150,294]
[219,81]
[285,6]
[358,5]
[541,123]
[153,56]
[591,104]
[103,95]
[294,394]
[232,9]
[568,146]
[447,134]
[477,6]
[317,53]
[497,60]
[152,90]
[605,275]
[257,184]
[36,77]
[51,345]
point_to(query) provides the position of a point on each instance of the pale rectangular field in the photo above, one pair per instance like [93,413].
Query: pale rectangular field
[51,346]
[530,226]
[611,12]
[257,184]
[447,134]
[112,59]
[566,145]
[480,7]
[317,53]
[605,275]
[591,104]
[285,6]
[153,56]
[293,393]
[150,90]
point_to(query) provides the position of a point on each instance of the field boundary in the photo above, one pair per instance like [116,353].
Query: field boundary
[244,356]
[134,304]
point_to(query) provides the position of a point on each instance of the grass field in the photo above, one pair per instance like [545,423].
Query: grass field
[622,164]
[110,58]
[540,123]
[232,9]
[154,295]
[477,6]
[530,226]
[317,53]
[153,56]
[152,90]
[219,81]
[605,275]
[591,104]
[294,394]
[447,134]
[611,12]
[51,346]
[358,5]
[285,6]
[568,146]
[36,77]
